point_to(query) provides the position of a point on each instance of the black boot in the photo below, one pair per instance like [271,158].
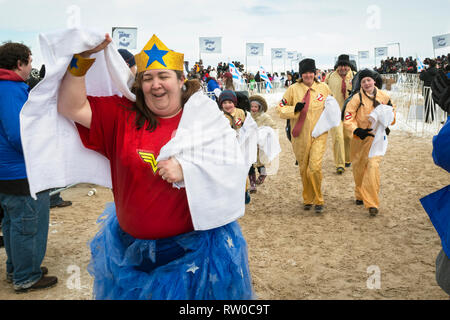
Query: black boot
[252,178]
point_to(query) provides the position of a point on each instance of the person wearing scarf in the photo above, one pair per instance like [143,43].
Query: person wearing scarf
[303,103]
[366,171]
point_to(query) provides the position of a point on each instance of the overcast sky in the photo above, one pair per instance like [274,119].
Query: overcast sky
[319,29]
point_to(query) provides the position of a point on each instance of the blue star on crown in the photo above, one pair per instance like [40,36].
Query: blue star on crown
[155,55]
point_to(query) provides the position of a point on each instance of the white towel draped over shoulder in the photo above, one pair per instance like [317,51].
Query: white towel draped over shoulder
[213,163]
[381,117]
[54,154]
[330,117]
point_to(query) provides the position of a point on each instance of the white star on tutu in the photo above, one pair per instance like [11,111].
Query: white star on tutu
[192,268]
[230,242]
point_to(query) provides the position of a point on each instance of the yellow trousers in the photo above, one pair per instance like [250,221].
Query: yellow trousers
[366,172]
[309,155]
[341,146]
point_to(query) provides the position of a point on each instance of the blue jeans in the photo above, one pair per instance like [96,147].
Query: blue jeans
[25,231]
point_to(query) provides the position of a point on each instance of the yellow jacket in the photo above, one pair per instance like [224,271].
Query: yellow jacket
[238,116]
[263,119]
[359,118]
[334,81]
[295,93]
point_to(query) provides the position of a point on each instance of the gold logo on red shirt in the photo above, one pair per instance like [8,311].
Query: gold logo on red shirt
[149,158]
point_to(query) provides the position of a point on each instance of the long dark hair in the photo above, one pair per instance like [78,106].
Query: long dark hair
[143,115]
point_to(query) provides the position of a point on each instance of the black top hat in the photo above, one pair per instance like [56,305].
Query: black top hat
[343,60]
[307,65]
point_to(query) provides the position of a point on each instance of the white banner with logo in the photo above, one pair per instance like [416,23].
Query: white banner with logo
[278,53]
[441,41]
[291,55]
[125,38]
[363,54]
[210,44]
[381,52]
[255,49]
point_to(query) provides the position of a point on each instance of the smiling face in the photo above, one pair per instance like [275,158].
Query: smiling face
[368,85]
[343,70]
[254,107]
[308,78]
[228,106]
[162,92]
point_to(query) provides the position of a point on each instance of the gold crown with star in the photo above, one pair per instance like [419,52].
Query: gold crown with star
[155,55]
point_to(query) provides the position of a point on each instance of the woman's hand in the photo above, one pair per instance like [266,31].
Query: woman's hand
[170,170]
[100,47]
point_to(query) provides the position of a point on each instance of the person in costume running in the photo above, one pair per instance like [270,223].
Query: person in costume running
[228,104]
[366,170]
[258,108]
[340,83]
[148,247]
[303,103]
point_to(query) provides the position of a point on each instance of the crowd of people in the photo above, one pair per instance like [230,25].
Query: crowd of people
[395,65]
[172,231]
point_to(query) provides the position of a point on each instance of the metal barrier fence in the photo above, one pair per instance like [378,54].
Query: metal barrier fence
[415,106]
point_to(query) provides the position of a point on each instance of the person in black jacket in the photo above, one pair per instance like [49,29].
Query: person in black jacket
[427,78]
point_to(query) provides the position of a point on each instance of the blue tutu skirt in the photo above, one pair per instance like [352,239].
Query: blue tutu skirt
[199,265]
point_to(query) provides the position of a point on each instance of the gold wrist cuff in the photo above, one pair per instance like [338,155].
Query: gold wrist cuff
[79,66]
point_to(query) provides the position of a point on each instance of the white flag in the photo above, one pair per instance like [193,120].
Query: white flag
[210,44]
[255,49]
[278,53]
[265,77]
[291,55]
[420,66]
[381,52]
[363,54]
[441,41]
[124,37]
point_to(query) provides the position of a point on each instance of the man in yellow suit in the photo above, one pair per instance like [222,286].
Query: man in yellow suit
[340,83]
[303,103]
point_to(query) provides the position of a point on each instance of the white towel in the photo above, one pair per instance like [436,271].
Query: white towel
[213,164]
[55,156]
[381,117]
[330,117]
[268,144]
[248,140]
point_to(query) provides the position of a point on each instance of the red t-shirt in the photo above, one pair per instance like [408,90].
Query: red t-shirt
[147,206]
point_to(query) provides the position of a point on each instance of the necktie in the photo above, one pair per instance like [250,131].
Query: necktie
[301,119]
[344,87]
